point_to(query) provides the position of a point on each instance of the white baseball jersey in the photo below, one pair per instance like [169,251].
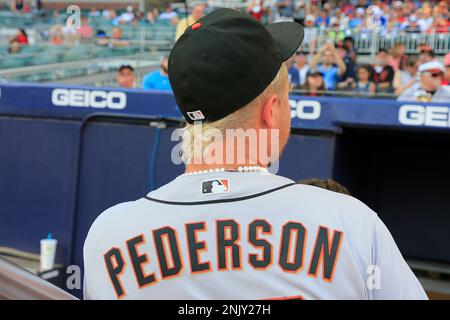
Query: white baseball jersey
[252,235]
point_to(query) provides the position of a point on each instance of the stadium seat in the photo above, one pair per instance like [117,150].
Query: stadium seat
[13,62]
[46,58]
[31,49]
[124,51]
[103,52]
[75,54]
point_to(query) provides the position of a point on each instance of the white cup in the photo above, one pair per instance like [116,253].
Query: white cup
[48,251]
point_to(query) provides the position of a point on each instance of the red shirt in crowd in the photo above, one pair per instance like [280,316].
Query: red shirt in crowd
[22,39]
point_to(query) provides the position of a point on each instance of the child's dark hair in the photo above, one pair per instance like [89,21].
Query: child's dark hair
[367,67]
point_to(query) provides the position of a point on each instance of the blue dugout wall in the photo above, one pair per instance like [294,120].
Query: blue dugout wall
[68,153]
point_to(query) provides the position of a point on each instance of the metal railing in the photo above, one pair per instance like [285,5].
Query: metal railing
[371,42]
[40,35]
[344,93]
[108,78]
[96,71]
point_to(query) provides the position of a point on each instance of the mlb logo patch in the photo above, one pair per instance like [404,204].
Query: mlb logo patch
[196,115]
[215,186]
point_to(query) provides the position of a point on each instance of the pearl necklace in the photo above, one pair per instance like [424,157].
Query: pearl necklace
[239,169]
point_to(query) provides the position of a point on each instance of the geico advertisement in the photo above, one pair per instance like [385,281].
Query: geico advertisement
[430,116]
[305,109]
[89,98]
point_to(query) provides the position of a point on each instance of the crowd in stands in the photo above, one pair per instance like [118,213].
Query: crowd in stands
[26,6]
[332,68]
[155,80]
[414,16]
[62,34]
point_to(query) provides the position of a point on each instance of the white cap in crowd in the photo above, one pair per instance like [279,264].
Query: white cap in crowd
[431,66]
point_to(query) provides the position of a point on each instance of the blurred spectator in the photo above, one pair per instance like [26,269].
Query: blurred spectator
[429,87]
[426,55]
[255,9]
[102,38]
[156,13]
[323,20]
[168,14]
[357,21]
[349,44]
[310,30]
[126,78]
[94,12]
[135,21]
[109,14]
[425,21]
[301,10]
[126,17]
[423,46]
[446,80]
[14,46]
[116,38]
[441,9]
[328,62]
[36,7]
[314,84]
[150,18]
[363,85]
[21,37]
[284,10]
[350,72]
[383,73]
[139,15]
[362,15]
[427,9]
[339,19]
[405,74]
[56,34]
[18,6]
[441,24]
[412,25]
[85,31]
[397,56]
[159,79]
[298,70]
[196,13]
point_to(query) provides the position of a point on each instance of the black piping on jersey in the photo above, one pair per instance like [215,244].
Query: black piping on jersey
[196,203]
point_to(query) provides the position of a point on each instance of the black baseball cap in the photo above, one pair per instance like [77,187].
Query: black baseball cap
[225,60]
[125,66]
[314,72]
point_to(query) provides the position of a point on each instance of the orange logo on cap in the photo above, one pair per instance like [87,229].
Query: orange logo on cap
[196,25]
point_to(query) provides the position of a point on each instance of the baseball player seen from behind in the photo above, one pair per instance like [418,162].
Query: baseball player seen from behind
[227,228]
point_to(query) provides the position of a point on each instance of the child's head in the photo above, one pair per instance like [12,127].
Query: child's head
[314,80]
[363,72]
